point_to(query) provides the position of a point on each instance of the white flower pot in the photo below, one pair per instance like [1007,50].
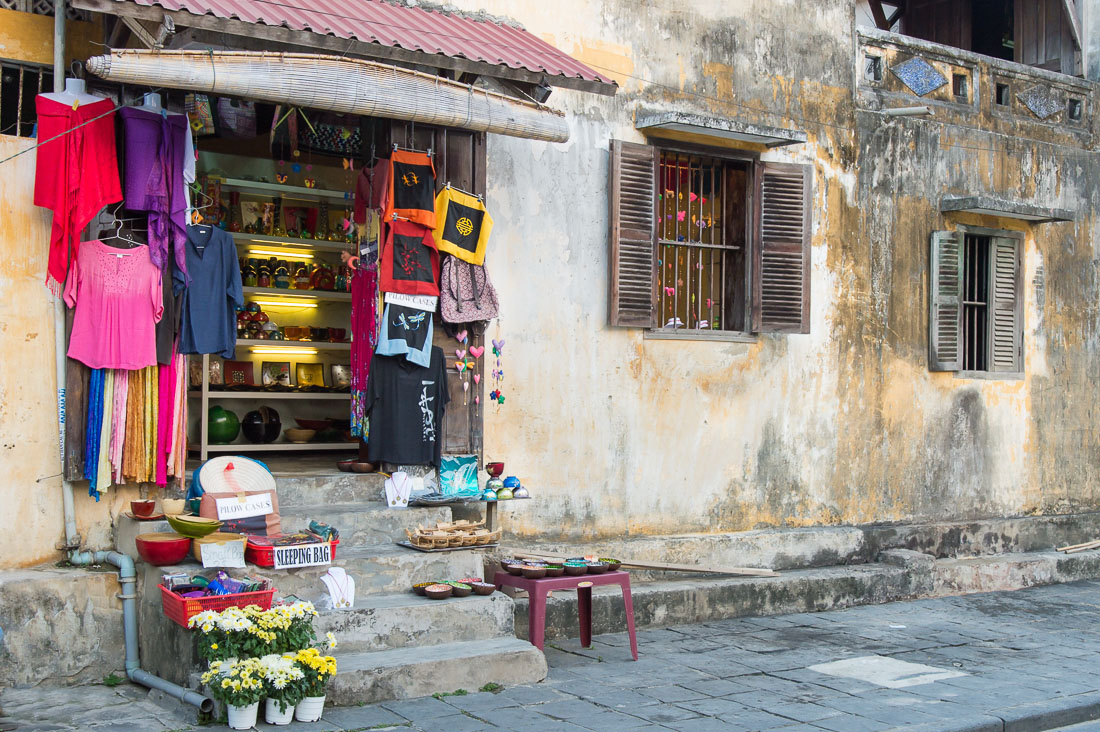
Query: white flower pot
[310,708]
[242,717]
[274,716]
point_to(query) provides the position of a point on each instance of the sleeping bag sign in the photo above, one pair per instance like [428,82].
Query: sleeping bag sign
[302,555]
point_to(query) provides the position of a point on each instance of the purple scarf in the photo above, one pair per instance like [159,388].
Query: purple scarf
[154,145]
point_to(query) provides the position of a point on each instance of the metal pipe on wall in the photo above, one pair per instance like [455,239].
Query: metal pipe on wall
[72,540]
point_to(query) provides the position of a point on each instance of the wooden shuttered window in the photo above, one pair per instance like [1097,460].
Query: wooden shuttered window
[1006,321]
[945,302]
[633,242]
[975,319]
[781,287]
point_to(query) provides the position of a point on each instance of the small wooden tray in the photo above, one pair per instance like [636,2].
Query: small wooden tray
[410,545]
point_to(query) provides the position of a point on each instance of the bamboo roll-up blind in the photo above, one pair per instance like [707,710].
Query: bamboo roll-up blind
[347,85]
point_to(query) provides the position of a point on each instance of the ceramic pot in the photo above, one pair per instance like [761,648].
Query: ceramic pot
[242,717]
[173,506]
[223,425]
[309,709]
[274,716]
[262,425]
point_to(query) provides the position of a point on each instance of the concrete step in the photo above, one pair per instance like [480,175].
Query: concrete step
[302,489]
[899,575]
[405,620]
[405,673]
[363,523]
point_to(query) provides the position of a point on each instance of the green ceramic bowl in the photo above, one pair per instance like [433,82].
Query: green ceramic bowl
[192,526]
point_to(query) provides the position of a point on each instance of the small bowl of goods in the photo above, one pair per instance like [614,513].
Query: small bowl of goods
[555,570]
[419,587]
[612,564]
[460,589]
[512,566]
[438,591]
[597,567]
[483,588]
[532,571]
[574,569]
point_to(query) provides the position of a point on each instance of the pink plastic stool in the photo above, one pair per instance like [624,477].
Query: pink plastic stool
[538,589]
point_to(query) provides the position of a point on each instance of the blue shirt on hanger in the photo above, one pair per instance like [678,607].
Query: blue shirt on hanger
[208,322]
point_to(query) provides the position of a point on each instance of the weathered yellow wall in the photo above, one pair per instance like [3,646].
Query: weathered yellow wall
[29,38]
[29,448]
[617,434]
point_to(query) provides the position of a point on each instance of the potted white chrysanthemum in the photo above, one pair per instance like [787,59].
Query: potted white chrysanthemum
[238,683]
[283,686]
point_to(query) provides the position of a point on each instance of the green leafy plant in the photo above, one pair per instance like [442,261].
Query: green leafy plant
[492,687]
[112,680]
[456,692]
[252,633]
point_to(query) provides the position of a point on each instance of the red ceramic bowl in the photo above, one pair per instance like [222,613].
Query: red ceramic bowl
[163,548]
[143,508]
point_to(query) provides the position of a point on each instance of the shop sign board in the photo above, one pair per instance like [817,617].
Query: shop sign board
[239,507]
[303,555]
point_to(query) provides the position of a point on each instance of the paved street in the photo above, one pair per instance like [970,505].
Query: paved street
[1008,661]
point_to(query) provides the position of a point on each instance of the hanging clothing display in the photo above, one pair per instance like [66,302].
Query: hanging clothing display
[76,174]
[208,319]
[118,300]
[411,191]
[407,332]
[463,225]
[92,431]
[364,330]
[409,262]
[406,404]
[371,189]
[169,324]
[154,144]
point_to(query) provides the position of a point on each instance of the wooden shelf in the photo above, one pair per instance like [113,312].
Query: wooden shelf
[212,394]
[319,345]
[281,446]
[299,294]
[244,239]
[279,189]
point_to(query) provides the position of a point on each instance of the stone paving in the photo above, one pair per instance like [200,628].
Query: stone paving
[995,662]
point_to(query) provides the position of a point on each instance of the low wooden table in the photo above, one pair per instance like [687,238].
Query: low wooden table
[538,589]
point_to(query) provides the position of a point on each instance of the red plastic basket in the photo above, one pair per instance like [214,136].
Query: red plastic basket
[181,609]
[264,556]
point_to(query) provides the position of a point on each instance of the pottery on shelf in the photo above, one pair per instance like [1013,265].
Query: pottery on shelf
[438,592]
[504,494]
[261,425]
[459,589]
[222,425]
[298,435]
[520,492]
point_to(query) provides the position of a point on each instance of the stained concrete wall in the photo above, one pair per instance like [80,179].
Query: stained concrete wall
[616,434]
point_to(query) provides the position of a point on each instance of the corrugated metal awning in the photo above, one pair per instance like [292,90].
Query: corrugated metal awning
[380,29]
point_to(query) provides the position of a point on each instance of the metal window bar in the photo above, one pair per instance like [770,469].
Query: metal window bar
[975,303]
[692,243]
[19,84]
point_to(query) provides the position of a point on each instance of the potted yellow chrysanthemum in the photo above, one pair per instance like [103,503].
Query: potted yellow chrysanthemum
[239,685]
[317,670]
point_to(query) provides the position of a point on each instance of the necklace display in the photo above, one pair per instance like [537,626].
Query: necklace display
[341,587]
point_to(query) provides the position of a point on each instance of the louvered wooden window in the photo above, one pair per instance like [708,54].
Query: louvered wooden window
[976,320]
[708,243]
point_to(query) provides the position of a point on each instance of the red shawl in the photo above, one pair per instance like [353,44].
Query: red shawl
[76,175]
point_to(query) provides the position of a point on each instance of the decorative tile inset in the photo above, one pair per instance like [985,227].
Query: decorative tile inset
[1042,101]
[919,75]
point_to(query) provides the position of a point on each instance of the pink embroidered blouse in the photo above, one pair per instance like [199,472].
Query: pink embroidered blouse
[118,299]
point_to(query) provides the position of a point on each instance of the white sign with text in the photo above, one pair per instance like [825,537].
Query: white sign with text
[223,554]
[239,507]
[303,555]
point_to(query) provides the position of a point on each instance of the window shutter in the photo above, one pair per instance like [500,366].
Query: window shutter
[781,289]
[945,302]
[1006,322]
[633,173]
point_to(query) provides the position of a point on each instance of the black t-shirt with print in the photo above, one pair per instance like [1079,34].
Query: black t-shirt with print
[405,404]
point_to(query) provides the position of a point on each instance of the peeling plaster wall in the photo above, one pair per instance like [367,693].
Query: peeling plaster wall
[616,434]
[29,449]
